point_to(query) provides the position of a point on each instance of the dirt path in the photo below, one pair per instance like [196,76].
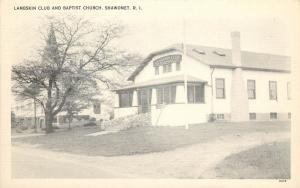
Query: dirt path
[188,162]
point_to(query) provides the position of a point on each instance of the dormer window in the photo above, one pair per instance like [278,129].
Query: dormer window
[199,51]
[156,70]
[178,66]
[167,62]
[219,53]
[167,68]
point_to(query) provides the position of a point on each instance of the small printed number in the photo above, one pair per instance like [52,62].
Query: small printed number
[282,180]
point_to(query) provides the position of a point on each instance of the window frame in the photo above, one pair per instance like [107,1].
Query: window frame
[251,89]
[156,70]
[276,94]
[194,85]
[275,117]
[252,117]
[220,116]
[160,98]
[224,90]
[130,98]
[178,66]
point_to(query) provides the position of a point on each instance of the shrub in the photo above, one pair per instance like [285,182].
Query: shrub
[128,122]
[89,124]
[93,119]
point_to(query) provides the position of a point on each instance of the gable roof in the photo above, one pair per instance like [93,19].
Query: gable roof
[221,57]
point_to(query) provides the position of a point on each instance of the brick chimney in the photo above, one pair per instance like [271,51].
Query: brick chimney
[239,96]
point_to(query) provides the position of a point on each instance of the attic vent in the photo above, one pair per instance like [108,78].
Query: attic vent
[199,51]
[219,53]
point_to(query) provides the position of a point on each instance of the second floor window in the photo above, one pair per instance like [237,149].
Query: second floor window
[220,88]
[167,68]
[273,90]
[156,70]
[178,66]
[251,89]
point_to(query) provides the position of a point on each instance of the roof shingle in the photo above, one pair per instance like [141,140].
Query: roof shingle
[221,57]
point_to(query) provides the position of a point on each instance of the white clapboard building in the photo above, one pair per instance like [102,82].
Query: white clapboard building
[187,84]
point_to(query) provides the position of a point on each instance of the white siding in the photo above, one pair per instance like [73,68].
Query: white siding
[262,103]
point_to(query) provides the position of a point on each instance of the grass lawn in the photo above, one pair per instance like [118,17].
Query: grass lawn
[144,139]
[269,161]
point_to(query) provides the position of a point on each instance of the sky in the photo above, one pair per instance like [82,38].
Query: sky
[264,26]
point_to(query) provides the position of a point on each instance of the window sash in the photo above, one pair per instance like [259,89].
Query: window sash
[191,94]
[156,70]
[273,90]
[251,89]
[125,98]
[164,68]
[252,116]
[273,115]
[220,88]
[169,67]
[159,95]
[166,94]
[195,93]
[178,66]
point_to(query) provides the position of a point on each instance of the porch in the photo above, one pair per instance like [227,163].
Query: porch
[163,98]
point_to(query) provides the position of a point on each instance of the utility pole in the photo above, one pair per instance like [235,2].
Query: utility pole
[184,64]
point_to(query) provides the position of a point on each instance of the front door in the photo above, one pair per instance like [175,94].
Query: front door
[145,100]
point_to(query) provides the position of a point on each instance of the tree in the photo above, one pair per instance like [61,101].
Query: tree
[76,53]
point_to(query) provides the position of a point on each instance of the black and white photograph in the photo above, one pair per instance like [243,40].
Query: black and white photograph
[173,90]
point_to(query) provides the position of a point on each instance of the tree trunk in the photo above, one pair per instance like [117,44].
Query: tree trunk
[69,124]
[48,122]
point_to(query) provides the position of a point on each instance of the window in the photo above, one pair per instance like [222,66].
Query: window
[273,90]
[156,70]
[252,116]
[164,68]
[167,68]
[167,97]
[97,108]
[220,116]
[220,88]
[160,97]
[166,94]
[251,89]
[178,66]
[125,98]
[288,90]
[195,93]
[273,115]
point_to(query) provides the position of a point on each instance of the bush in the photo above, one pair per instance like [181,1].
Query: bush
[93,119]
[128,122]
[89,124]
